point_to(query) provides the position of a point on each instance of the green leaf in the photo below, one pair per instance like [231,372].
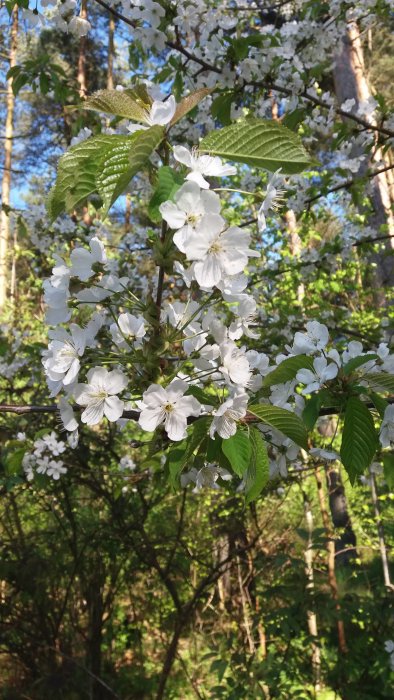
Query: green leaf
[260,143]
[189,102]
[177,85]
[380,380]
[238,450]
[239,48]
[257,474]
[221,107]
[179,455]
[76,174]
[311,411]
[359,438]
[133,103]
[287,370]
[285,421]
[357,362]
[103,164]
[169,181]
[379,402]
[201,396]
[13,461]
[388,467]
[123,160]
[292,119]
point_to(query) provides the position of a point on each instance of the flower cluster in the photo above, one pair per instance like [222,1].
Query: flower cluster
[41,459]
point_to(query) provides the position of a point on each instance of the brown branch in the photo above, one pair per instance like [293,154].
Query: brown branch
[315,100]
[348,183]
[134,415]
[20,410]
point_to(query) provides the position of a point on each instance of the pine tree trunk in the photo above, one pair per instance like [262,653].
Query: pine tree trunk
[81,76]
[6,182]
[111,52]
[351,83]
[295,245]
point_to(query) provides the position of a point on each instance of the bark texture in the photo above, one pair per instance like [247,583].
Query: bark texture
[350,82]
[6,182]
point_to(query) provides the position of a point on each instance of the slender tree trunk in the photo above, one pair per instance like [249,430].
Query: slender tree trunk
[245,609]
[111,52]
[382,543]
[13,271]
[332,579]
[81,75]
[169,659]
[83,85]
[6,182]
[94,597]
[310,587]
[295,246]
[351,83]
[294,240]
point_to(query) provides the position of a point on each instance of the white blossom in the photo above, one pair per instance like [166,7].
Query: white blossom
[218,252]
[187,212]
[128,329]
[322,373]
[83,260]
[272,196]
[315,339]
[227,415]
[387,428]
[206,477]
[99,395]
[235,366]
[200,165]
[169,406]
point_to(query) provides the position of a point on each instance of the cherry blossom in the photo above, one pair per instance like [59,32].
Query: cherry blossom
[201,165]
[206,477]
[218,252]
[169,406]
[82,261]
[315,339]
[99,395]
[322,373]
[387,428]
[128,329]
[227,415]
[186,212]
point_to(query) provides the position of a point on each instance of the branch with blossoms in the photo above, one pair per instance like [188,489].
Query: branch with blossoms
[179,353]
[270,85]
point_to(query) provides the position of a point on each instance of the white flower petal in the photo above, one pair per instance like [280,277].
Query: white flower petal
[150,418]
[175,425]
[113,408]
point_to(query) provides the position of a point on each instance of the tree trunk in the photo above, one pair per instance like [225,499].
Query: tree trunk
[345,545]
[382,543]
[13,281]
[81,76]
[295,244]
[111,52]
[94,596]
[332,579]
[351,83]
[310,587]
[6,183]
